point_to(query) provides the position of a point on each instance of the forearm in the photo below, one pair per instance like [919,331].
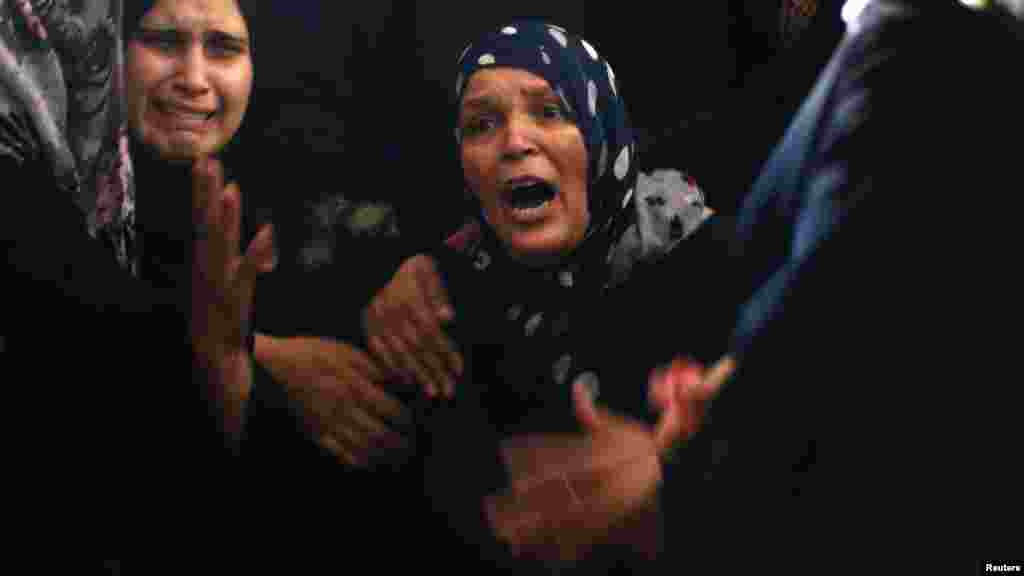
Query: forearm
[267,350]
[226,384]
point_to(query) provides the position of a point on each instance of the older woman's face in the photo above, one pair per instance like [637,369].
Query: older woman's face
[189,75]
[526,163]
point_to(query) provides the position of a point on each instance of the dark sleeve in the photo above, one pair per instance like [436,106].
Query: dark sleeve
[274,438]
[328,301]
[115,350]
[836,410]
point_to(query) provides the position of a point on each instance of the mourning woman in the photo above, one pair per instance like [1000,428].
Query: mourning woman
[560,301]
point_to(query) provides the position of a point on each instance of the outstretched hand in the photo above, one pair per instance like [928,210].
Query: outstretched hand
[569,493]
[223,283]
[340,395]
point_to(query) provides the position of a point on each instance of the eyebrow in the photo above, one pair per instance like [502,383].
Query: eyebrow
[540,92]
[179,23]
[478,102]
[218,34]
[488,100]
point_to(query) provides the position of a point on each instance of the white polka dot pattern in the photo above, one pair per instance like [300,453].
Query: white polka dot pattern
[559,36]
[622,164]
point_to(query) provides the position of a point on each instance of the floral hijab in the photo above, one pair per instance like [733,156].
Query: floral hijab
[60,86]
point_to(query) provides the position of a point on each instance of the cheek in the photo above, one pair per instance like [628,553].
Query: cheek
[138,74]
[575,170]
[475,171]
[236,88]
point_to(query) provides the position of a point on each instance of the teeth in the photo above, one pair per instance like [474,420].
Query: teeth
[188,114]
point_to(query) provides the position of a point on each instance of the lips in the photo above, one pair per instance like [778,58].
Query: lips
[184,117]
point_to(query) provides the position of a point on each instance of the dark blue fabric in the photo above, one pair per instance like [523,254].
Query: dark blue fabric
[875,246]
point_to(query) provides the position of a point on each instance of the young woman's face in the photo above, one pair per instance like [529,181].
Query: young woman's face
[189,74]
[525,160]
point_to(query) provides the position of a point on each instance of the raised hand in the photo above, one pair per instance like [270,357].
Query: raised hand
[403,327]
[223,282]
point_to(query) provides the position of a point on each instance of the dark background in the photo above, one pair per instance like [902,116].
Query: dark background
[352,98]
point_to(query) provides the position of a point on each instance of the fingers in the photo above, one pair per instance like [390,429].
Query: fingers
[381,339]
[372,432]
[262,251]
[420,339]
[258,259]
[587,413]
[361,412]
[404,327]
[435,311]
[359,439]
[386,356]
[668,389]
[202,198]
[369,394]
[384,405]
[209,197]
[342,450]
[411,366]
[435,297]
[232,217]
[666,382]
[668,429]
[681,393]
[365,365]
[717,376]
[204,187]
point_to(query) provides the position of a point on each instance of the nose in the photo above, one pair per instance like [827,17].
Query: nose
[520,138]
[192,79]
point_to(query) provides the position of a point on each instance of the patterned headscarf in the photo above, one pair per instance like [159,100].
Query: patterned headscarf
[585,84]
[61,78]
[631,214]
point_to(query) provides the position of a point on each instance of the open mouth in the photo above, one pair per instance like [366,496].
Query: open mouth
[529,194]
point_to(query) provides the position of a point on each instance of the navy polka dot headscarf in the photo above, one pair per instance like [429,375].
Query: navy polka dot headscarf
[586,86]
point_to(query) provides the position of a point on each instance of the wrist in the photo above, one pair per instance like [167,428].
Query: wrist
[265,349]
[228,381]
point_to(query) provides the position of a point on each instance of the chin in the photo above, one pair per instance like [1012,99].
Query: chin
[182,152]
[539,248]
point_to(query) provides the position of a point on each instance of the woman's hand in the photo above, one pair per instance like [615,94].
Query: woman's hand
[337,390]
[679,392]
[222,290]
[569,493]
[403,327]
